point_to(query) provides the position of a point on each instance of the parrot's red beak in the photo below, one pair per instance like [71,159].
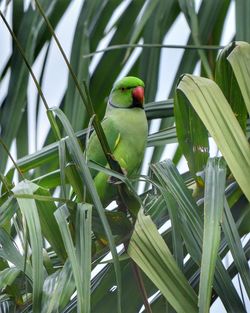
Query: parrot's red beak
[138,96]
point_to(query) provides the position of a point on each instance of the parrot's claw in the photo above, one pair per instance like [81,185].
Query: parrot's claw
[115,180]
[124,171]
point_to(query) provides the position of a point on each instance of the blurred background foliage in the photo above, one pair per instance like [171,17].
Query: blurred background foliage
[48,234]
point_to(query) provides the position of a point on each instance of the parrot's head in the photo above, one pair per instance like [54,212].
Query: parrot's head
[127,93]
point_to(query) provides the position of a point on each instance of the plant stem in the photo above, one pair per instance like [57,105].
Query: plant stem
[141,287]
[160,46]
[12,159]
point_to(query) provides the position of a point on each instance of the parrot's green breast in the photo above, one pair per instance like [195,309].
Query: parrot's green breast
[131,142]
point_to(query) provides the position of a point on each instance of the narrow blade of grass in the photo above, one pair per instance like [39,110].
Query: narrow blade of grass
[83,248]
[62,165]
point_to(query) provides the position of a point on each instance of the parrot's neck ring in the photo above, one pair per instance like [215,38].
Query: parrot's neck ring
[116,106]
[132,106]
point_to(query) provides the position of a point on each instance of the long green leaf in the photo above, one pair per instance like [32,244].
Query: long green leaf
[213,208]
[159,109]
[44,156]
[239,60]
[83,249]
[57,289]
[30,212]
[62,166]
[49,226]
[73,106]
[234,242]
[61,215]
[188,8]
[8,276]
[103,297]
[164,136]
[215,112]
[49,153]
[225,78]
[242,20]
[192,136]
[175,225]
[149,251]
[148,10]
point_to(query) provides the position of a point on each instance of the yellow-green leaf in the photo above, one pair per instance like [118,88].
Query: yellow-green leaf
[212,107]
[148,249]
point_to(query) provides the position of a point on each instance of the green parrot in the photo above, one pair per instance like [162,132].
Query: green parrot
[125,127]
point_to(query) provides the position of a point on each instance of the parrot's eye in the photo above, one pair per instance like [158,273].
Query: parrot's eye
[123,88]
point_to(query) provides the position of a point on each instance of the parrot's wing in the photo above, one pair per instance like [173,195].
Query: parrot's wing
[94,150]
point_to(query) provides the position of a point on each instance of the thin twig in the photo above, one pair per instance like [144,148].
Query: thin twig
[139,280]
[160,46]
[141,287]
[12,159]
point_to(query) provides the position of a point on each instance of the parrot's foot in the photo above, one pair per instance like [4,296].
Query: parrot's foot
[115,180]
